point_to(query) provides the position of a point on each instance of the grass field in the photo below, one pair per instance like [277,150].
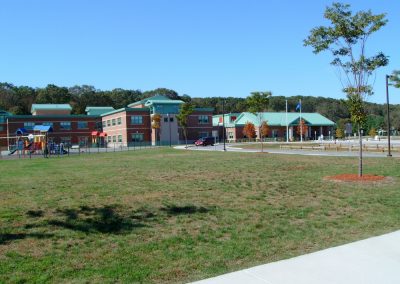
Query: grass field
[169,216]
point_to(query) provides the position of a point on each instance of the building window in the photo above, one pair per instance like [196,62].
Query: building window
[171,119]
[113,121]
[1,128]
[119,138]
[119,121]
[230,135]
[29,125]
[203,134]
[114,138]
[136,119]
[108,123]
[65,125]
[137,137]
[165,119]
[48,123]
[104,123]
[109,139]
[203,119]
[82,125]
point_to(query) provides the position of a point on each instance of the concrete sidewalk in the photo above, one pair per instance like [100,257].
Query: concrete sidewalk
[374,260]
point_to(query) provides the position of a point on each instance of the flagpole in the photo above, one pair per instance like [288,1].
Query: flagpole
[301,127]
[287,126]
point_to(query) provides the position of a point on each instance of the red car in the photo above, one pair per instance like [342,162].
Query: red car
[205,141]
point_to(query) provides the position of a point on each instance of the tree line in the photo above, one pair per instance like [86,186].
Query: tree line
[19,99]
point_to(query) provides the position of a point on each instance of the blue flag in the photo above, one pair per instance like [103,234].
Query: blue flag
[298,106]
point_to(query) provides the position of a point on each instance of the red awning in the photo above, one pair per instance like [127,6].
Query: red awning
[95,133]
[103,134]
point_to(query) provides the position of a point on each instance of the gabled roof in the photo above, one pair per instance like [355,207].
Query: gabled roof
[279,119]
[36,107]
[144,101]
[127,109]
[228,122]
[91,110]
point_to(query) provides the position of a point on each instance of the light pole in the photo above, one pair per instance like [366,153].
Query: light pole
[223,123]
[388,114]
[169,126]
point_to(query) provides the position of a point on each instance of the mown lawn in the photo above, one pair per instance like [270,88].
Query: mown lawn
[170,216]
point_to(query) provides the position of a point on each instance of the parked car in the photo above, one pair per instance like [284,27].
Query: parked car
[204,141]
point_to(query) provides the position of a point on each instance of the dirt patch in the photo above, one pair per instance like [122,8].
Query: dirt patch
[357,179]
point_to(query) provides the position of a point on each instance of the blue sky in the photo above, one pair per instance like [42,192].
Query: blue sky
[200,48]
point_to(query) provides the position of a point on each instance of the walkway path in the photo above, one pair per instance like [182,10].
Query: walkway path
[236,148]
[374,260]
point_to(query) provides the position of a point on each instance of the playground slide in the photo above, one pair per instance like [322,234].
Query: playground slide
[12,152]
[27,147]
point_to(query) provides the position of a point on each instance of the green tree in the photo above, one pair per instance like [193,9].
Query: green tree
[346,39]
[53,94]
[185,111]
[258,103]
[395,78]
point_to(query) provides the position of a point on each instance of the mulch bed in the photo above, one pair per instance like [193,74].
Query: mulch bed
[356,178]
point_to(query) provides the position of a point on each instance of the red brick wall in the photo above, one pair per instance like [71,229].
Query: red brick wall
[126,128]
[194,127]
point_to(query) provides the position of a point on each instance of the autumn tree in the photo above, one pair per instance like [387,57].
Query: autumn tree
[302,128]
[249,130]
[185,111]
[339,133]
[372,132]
[264,129]
[155,124]
[346,39]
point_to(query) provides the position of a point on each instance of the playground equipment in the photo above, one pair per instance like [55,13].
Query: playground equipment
[24,142]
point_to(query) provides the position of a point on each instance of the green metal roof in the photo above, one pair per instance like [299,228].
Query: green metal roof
[90,110]
[163,102]
[156,97]
[36,107]
[279,119]
[127,109]
[228,122]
